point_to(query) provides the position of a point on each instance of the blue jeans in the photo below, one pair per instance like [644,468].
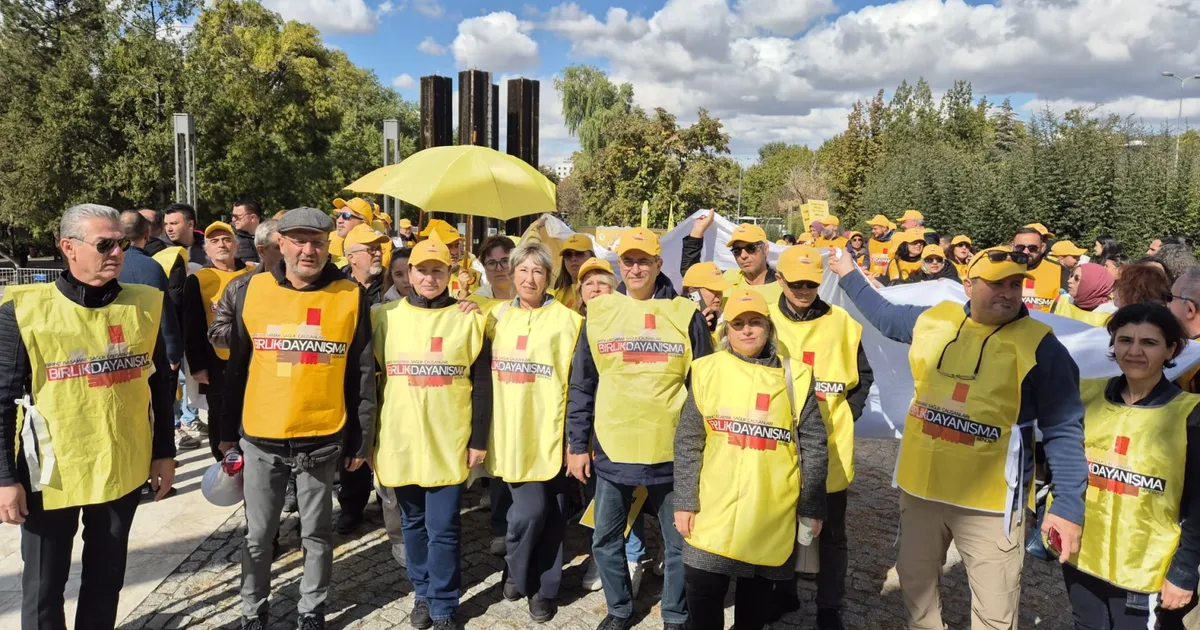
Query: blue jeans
[184,414]
[635,546]
[613,501]
[430,520]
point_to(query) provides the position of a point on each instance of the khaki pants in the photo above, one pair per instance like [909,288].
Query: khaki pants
[992,561]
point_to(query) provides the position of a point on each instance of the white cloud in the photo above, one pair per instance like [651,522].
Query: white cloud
[429,8]
[404,82]
[788,69]
[496,42]
[431,47]
[334,16]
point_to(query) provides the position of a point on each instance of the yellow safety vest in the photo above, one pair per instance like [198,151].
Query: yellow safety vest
[1135,485]
[212,287]
[881,254]
[297,376]
[1064,307]
[167,257]
[828,345]
[425,420]
[901,269]
[1040,291]
[771,290]
[960,433]
[642,353]
[529,390]
[486,304]
[90,372]
[749,475]
[569,297]
[834,243]
[961,268]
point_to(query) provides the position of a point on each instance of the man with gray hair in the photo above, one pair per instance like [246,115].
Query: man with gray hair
[1185,305]
[1176,260]
[85,356]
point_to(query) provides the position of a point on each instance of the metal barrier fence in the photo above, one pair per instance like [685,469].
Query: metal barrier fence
[28,276]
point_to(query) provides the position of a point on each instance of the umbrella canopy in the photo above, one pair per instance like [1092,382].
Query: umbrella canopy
[472,180]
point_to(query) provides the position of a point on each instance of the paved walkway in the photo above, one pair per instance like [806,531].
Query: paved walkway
[371,592]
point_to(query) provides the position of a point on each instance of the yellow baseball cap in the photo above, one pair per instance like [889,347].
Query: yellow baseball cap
[745,301]
[430,249]
[595,264]
[880,220]
[640,239]
[445,232]
[405,224]
[362,235]
[706,275]
[1041,230]
[983,267]
[747,233]
[577,243]
[805,237]
[831,220]
[911,215]
[1067,248]
[960,239]
[913,235]
[931,251]
[852,234]
[217,226]
[358,206]
[800,263]
[380,226]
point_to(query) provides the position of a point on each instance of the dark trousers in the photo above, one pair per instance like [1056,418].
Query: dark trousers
[432,540]
[502,499]
[216,403]
[46,542]
[752,604]
[537,524]
[831,578]
[355,489]
[1098,605]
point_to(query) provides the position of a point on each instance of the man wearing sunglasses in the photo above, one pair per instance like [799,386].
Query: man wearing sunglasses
[86,357]
[748,244]
[986,373]
[348,215]
[1046,277]
[829,341]
[246,216]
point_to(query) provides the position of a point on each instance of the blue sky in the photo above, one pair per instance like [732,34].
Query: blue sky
[783,69]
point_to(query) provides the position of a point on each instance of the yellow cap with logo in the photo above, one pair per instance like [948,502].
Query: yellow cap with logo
[800,263]
[911,215]
[430,249]
[1067,248]
[595,264]
[747,233]
[1043,230]
[996,264]
[363,235]
[933,250]
[706,275]
[640,239]
[446,233]
[577,243]
[745,301]
[879,220]
[357,205]
[217,226]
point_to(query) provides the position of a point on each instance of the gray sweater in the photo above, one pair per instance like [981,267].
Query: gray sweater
[812,442]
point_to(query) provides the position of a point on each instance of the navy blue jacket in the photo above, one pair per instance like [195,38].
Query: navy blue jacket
[140,268]
[1049,395]
[581,401]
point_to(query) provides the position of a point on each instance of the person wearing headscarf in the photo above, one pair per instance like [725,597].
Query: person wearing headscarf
[857,246]
[1088,297]
[934,266]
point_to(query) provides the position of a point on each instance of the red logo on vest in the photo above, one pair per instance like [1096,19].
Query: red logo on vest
[515,366]
[752,432]
[647,347]
[113,367]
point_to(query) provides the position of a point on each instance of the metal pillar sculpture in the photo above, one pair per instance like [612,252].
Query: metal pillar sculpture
[185,159]
[522,134]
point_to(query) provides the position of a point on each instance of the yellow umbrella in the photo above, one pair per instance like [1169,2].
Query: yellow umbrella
[470,180]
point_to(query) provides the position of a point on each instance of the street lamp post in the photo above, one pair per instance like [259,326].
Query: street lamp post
[1182,84]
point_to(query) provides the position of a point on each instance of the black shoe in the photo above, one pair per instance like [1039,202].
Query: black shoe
[829,619]
[541,609]
[808,577]
[445,624]
[290,505]
[255,623]
[419,617]
[510,591]
[675,626]
[612,622]
[310,622]
[348,522]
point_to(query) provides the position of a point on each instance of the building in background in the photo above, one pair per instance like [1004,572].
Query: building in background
[563,169]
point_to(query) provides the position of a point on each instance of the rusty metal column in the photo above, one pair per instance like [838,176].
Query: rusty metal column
[437,119]
[522,136]
[475,104]
[391,155]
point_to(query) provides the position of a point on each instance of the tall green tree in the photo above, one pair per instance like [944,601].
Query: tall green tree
[592,102]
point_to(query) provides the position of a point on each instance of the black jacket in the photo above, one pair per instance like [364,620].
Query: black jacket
[374,291]
[948,272]
[857,396]
[359,431]
[15,379]
[246,251]
[140,268]
[581,401]
[481,376]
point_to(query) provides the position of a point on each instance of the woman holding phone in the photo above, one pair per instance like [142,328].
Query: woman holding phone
[1138,556]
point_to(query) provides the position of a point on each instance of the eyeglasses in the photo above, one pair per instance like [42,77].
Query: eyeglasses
[802,284]
[571,253]
[982,348]
[935,259]
[749,248]
[639,262]
[106,245]
[374,251]
[496,263]
[347,215]
[1172,296]
[1032,249]
[238,217]
[316,243]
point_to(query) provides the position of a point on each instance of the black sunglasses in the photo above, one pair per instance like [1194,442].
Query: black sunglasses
[935,259]
[106,245]
[999,256]
[1032,249]
[749,248]
[802,284]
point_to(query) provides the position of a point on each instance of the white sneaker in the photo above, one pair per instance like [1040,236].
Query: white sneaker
[635,577]
[185,442]
[498,548]
[591,578]
[196,426]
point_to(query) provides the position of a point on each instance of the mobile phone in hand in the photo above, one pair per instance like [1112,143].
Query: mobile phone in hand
[1055,540]
[697,298]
